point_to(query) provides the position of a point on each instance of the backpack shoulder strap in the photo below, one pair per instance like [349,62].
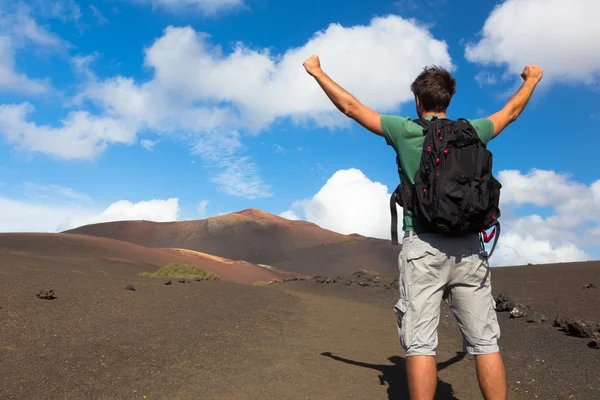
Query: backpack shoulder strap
[394,213]
[423,123]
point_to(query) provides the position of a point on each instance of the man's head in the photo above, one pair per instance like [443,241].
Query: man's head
[433,90]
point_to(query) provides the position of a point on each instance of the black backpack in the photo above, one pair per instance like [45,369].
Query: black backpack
[454,191]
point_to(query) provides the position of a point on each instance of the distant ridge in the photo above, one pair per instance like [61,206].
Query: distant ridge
[122,258]
[259,237]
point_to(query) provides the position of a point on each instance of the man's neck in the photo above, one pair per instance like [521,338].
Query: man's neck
[433,114]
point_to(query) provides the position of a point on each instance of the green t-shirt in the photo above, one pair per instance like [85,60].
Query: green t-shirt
[406,137]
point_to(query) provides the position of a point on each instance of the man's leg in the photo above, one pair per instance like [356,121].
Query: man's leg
[423,277]
[421,372]
[470,298]
[491,376]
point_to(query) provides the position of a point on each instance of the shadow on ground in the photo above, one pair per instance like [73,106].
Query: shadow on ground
[395,376]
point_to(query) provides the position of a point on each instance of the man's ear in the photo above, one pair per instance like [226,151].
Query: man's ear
[417,101]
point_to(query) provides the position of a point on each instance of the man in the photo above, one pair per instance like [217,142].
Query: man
[435,267]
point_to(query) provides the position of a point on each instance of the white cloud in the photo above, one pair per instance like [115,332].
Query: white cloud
[148,144]
[517,249]
[486,79]
[573,203]
[253,86]
[52,192]
[573,216]
[12,80]
[19,30]
[292,216]
[40,214]
[65,10]
[555,34]
[573,222]
[199,89]
[79,136]
[100,18]
[538,187]
[125,210]
[239,175]
[202,208]
[349,203]
[19,216]
[24,29]
[258,84]
[208,7]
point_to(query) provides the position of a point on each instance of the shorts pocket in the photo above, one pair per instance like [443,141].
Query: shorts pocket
[422,266]
[416,254]
[402,310]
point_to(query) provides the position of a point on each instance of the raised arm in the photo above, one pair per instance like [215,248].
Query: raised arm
[343,100]
[532,74]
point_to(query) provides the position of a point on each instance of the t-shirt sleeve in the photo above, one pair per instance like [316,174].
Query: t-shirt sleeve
[484,128]
[393,128]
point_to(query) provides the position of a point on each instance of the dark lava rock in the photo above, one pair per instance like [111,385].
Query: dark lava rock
[46,294]
[129,287]
[576,327]
[167,282]
[590,286]
[536,317]
[580,329]
[560,322]
[504,303]
[181,280]
[594,344]
[519,311]
[322,279]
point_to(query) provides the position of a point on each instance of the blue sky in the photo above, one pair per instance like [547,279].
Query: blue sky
[111,108]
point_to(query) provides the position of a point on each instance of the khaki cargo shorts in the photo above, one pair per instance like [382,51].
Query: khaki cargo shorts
[454,269]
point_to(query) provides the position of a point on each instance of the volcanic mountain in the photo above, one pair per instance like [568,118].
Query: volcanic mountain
[261,238]
[81,253]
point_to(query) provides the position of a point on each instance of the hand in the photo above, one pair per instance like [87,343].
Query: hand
[312,65]
[532,72]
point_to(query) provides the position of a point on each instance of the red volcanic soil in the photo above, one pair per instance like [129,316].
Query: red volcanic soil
[261,238]
[85,252]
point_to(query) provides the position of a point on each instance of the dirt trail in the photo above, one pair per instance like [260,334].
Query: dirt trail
[343,349]
[223,341]
[210,340]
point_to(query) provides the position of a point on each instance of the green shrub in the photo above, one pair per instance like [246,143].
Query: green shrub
[182,271]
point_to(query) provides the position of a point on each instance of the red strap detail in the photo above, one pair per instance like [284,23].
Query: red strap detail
[487,238]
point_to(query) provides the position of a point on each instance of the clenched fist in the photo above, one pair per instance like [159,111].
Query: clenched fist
[532,72]
[312,65]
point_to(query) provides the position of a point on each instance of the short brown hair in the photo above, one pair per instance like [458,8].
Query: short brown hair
[434,88]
